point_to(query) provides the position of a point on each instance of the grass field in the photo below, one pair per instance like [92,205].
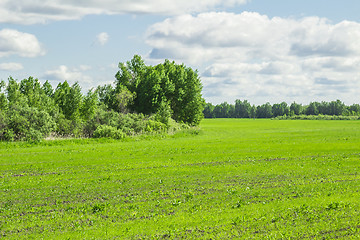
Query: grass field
[236,179]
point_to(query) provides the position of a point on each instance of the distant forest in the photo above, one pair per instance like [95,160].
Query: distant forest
[243,109]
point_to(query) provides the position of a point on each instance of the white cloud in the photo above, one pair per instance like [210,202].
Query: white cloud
[252,56]
[71,75]
[102,38]
[40,11]
[13,42]
[11,66]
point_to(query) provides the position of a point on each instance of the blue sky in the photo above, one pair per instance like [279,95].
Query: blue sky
[259,50]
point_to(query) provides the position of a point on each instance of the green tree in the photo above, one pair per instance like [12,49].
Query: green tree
[130,74]
[296,108]
[354,109]
[3,100]
[149,93]
[69,99]
[264,111]
[242,109]
[151,86]
[209,110]
[187,103]
[106,96]
[13,93]
[312,109]
[336,108]
[253,112]
[30,88]
[89,105]
[48,89]
[280,109]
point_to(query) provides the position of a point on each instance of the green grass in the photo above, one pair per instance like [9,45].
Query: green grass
[239,179]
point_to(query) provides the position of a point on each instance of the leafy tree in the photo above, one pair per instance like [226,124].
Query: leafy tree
[323,108]
[296,108]
[30,88]
[151,86]
[187,104]
[130,74]
[280,109]
[354,109]
[253,111]
[69,99]
[48,89]
[209,110]
[106,96]
[89,105]
[337,108]
[149,94]
[312,109]
[264,111]
[3,100]
[13,93]
[242,109]
[223,110]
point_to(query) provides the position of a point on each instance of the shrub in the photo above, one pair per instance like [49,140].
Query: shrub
[105,131]
[101,117]
[154,126]
[3,125]
[132,123]
[163,114]
[25,123]
[34,135]
[66,127]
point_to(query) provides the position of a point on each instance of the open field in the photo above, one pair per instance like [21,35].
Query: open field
[241,179]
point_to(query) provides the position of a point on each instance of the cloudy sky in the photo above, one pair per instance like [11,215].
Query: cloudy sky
[259,50]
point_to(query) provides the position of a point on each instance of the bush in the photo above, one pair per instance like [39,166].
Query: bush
[25,123]
[164,113]
[101,117]
[3,125]
[154,126]
[105,131]
[66,127]
[132,123]
[34,135]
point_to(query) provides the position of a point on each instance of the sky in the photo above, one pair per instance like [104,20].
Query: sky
[258,50]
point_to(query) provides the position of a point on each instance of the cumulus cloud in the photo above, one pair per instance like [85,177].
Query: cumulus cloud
[25,12]
[11,66]
[13,42]
[71,75]
[265,59]
[102,38]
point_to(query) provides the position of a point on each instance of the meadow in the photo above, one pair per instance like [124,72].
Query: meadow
[231,179]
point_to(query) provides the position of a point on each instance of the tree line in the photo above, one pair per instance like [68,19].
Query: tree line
[243,109]
[142,99]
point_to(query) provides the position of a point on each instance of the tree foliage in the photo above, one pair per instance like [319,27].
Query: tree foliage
[243,109]
[142,100]
[169,83]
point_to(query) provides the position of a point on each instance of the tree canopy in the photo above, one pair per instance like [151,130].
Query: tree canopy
[142,99]
[243,109]
[169,83]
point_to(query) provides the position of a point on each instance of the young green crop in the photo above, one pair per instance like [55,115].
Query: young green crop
[240,179]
